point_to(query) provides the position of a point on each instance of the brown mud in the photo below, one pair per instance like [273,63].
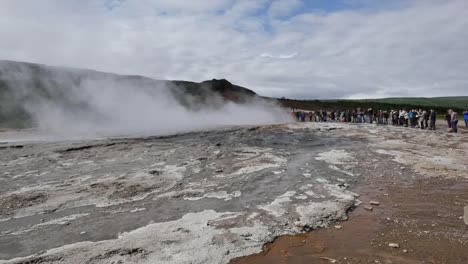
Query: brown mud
[423,217]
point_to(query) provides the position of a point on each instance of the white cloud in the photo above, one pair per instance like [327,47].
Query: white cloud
[281,56]
[417,49]
[282,8]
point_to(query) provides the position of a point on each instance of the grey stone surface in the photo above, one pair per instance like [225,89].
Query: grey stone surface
[204,197]
[165,199]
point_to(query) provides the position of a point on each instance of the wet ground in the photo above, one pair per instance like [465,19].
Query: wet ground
[210,197]
[423,218]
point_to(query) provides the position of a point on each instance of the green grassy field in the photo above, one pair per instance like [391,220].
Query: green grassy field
[447,102]
[439,104]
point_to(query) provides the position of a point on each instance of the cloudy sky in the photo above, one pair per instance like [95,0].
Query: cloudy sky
[292,48]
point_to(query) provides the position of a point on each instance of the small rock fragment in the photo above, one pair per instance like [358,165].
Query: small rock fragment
[299,224]
[374,203]
[368,208]
[155,172]
[405,251]
[393,245]
[329,259]
[338,227]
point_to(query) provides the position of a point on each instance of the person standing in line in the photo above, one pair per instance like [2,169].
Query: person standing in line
[379,117]
[448,118]
[303,116]
[454,119]
[394,117]
[405,114]
[370,113]
[465,117]
[411,117]
[433,117]
[416,115]
[385,117]
[426,118]
[401,115]
[421,118]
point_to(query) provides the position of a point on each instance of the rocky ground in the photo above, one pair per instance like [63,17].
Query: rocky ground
[211,197]
[414,222]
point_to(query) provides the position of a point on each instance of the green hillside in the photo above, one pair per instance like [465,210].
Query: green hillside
[446,102]
[439,104]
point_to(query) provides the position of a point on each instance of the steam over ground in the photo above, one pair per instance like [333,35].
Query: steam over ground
[112,109]
[86,104]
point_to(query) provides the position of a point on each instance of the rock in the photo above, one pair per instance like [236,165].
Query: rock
[299,224]
[405,251]
[329,259]
[155,172]
[338,227]
[343,185]
[82,233]
[219,170]
[368,208]
[393,245]
[466,215]
[374,203]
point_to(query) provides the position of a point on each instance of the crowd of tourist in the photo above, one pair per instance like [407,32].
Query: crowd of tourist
[415,118]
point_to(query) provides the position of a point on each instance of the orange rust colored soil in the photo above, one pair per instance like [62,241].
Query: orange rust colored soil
[423,218]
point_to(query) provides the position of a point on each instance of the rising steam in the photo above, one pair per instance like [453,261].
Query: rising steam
[106,106]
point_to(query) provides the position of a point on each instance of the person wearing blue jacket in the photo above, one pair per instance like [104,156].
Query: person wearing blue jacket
[465,116]
[411,117]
